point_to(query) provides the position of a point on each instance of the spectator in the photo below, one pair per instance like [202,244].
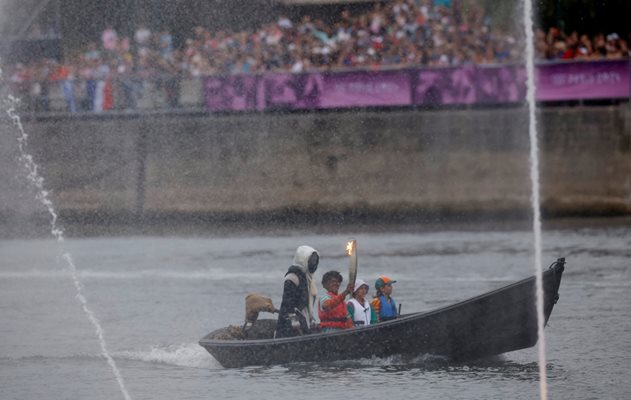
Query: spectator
[584,49]
[165,41]
[64,76]
[109,37]
[40,85]
[86,73]
[103,91]
[600,46]
[126,78]
[613,47]
[284,22]
[394,34]
[21,80]
[142,39]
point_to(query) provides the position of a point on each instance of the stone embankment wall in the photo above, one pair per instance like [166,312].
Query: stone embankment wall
[405,162]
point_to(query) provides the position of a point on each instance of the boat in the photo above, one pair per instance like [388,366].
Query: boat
[490,324]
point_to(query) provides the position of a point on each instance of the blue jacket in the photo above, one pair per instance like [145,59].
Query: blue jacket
[388,310]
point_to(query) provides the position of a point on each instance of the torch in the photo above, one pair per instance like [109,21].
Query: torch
[351,250]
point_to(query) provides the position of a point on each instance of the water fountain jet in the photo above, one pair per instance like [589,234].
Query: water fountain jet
[37,182]
[535,198]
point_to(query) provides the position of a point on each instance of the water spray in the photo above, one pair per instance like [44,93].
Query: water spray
[34,179]
[534,178]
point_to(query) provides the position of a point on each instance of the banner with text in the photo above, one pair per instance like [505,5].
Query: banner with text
[467,85]
[583,80]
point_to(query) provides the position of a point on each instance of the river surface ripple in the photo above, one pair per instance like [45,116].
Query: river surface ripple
[156,296]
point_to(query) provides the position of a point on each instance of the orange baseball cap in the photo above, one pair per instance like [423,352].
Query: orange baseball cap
[383,281]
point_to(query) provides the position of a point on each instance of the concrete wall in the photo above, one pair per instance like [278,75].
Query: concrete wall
[379,163]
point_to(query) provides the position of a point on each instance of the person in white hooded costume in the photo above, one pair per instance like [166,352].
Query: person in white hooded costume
[296,316]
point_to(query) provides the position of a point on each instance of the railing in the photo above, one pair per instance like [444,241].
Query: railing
[124,94]
[414,87]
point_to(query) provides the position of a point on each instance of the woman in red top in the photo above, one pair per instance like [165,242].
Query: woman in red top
[332,311]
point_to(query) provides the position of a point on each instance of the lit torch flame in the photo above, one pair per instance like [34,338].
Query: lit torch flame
[349,248]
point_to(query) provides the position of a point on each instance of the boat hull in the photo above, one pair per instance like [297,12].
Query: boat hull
[497,322]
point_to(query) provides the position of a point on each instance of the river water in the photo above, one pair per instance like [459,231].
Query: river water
[155,297]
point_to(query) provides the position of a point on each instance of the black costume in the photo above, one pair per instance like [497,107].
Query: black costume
[298,297]
[294,298]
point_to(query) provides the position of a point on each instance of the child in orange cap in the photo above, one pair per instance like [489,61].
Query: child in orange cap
[384,305]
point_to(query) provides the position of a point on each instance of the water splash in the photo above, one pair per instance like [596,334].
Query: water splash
[186,355]
[37,181]
[534,178]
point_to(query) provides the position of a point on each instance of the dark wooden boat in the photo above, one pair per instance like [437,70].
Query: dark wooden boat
[493,323]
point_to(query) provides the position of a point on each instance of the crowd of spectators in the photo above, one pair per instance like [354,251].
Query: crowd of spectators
[394,34]
[555,45]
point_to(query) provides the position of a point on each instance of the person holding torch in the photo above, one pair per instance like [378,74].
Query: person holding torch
[332,311]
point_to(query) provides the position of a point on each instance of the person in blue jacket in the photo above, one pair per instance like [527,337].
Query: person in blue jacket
[383,303]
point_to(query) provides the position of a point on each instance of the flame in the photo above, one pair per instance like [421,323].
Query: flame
[349,248]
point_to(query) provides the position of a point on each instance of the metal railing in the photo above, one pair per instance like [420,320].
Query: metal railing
[175,93]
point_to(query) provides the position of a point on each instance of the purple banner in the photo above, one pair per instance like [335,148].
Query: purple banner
[506,84]
[366,89]
[231,93]
[469,85]
[432,86]
[335,90]
[290,91]
[583,80]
